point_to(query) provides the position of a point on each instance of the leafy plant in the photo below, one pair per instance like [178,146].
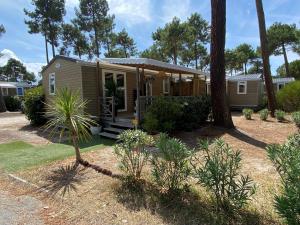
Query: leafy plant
[247,113]
[296,118]
[34,107]
[280,115]
[288,97]
[219,171]
[170,165]
[263,114]
[13,103]
[286,159]
[132,152]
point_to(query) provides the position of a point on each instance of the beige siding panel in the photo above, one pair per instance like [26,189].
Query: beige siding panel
[67,75]
[157,86]
[249,99]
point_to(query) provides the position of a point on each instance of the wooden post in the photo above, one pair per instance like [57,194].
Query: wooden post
[138,113]
[98,88]
[206,90]
[113,109]
[180,85]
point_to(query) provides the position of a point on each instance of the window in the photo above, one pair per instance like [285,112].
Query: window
[52,83]
[166,85]
[280,86]
[242,87]
[208,89]
[20,91]
[4,91]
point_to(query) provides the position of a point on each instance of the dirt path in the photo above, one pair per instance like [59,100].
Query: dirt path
[15,126]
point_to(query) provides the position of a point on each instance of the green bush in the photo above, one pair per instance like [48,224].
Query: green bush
[247,113]
[34,107]
[13,103]
[286,159]
[132,152]
[296,118]
[219,171]
[280,115]
[289,98]
[263,114]
[167,114]
[170,165]
[162,115]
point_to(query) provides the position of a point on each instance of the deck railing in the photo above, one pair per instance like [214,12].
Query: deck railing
[108,108]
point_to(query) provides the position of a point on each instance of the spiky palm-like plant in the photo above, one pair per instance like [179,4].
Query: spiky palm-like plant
[67,117]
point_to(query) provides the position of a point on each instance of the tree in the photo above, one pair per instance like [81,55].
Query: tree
[109,37]
[265,56]
[296,46]
[91,16]
[126,44]
[154,52]
[197,37]
[281,36]
[256,62]
[244,53]
[66,113]
[220,107]
[72,37]
[2,30]
[294,70]
[46,18]
[170,38]
[14,70]
[231,61]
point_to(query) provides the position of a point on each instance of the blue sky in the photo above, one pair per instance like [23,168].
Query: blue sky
[142,17]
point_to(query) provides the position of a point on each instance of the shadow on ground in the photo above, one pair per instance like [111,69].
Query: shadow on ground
[182,208]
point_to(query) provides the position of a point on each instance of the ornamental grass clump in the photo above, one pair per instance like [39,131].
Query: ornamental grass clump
[132,152]
[280,115]
[247,113]
[263,114]
[170,164]
[219,170]
[286,160]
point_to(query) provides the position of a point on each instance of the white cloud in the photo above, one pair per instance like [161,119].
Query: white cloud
[178,8]
[131,12]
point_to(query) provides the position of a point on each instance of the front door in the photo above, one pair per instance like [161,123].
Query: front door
[119,79]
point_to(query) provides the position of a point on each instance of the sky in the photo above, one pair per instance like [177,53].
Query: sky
[142,17]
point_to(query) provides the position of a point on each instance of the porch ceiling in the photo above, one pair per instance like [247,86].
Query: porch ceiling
[152,64]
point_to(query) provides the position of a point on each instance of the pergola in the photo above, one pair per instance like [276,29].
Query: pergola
[155,65]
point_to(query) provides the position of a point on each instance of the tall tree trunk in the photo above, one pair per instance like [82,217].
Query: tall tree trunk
[75,144]
[96,43]
[175,56]
[265,57]
[46,45]
[53,49]
[2,102]
[220,107]
[196,56]
[286,62]
[245,64]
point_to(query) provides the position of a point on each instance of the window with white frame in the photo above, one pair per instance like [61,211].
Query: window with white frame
[242,87]
[20,91]
[166,85]
[52,83]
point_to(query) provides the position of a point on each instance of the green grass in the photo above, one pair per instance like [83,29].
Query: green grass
[20,155]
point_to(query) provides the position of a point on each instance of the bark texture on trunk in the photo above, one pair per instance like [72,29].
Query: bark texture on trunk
[220,107]
[46,45]
[286,62]
[2,102]
[265,57]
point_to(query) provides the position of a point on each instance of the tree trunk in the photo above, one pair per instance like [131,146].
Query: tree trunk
[265,57]
[196,56]
[76,147]
[245,64]
[96,43]
[46,45]
[286,62]
[2,102]
[53,49]
[220,107]
[175,56]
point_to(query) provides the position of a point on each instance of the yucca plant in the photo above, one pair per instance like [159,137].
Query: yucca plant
[67,117]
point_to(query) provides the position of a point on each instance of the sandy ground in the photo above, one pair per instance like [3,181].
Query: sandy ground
[82,196]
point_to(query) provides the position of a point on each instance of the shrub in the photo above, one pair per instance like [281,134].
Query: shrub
[280,115]
[171,166]
[162,115]
[13,103]
[263,114]
[219,172]
[296,118]
[247,113]
[286,159]
[132,152]
[34,107]
[288,97]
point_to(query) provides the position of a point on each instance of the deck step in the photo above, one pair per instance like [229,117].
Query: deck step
[113,130]
[121,125]
[109,135]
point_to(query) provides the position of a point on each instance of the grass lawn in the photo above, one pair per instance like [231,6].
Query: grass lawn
[20,155]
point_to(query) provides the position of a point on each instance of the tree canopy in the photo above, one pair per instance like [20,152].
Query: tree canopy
[294,70]
[2,30]
[245,53]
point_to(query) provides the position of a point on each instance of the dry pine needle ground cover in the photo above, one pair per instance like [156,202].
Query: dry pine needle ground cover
[81,196]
